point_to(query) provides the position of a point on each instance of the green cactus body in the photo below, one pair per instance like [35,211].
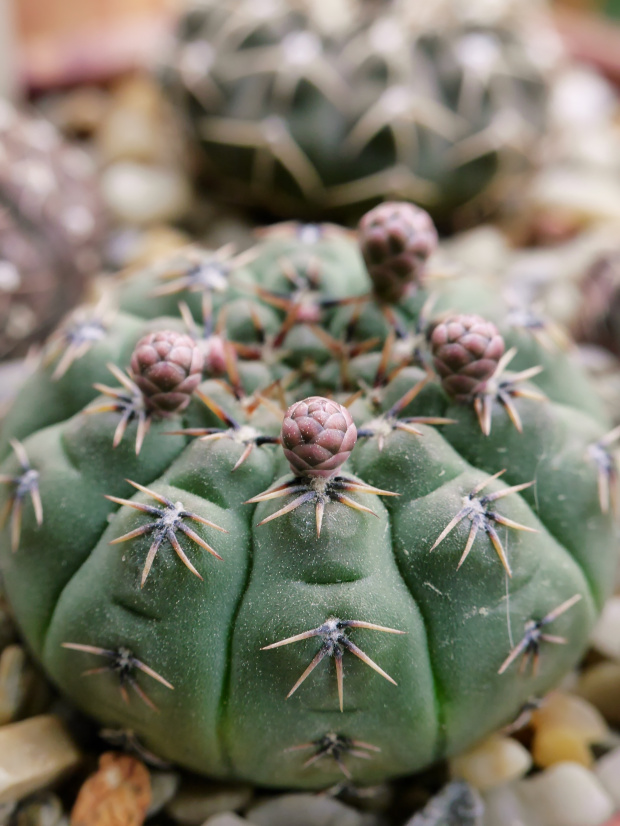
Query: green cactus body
[194,645]
[322,110]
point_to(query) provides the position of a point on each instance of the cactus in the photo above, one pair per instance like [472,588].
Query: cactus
[321,110]
[185,560]
[51,222]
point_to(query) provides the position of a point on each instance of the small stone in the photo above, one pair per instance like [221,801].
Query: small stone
[571,712]
[607,770]
[457,804]
[493,762]
[600,685]
[306,810]
[45,810]
[33,754]
[164,786]
[564,728]
[567,794]
[226,819]
[15,676]
[606,635]
[553,744]
[198,801]
[6,811]
[369,798]
[503,806]
[140,194]
[118,794]
[128,134]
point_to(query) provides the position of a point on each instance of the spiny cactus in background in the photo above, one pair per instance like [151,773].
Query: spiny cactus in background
[50,228]
[598,321]
[322,109]
[441,533]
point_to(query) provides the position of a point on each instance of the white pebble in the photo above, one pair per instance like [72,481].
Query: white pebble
[493,762]
[33,754]
[606,635]
[306,810]
[607,770]
[139,194]
[567,794]
[503,806]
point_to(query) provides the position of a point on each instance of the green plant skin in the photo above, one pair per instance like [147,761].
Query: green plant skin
[228,715]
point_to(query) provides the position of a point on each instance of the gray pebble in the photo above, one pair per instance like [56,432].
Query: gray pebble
[6,810]
[196,801]
[164,786]
[44,810]
[226,819]
[307,810]
[457,804]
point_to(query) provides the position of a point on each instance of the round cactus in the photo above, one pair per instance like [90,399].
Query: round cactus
[324,562]
[323,110]
[51,228]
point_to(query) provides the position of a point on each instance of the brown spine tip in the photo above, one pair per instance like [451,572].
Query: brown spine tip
[466,351]
[167,367]
[318,436]
[396,239]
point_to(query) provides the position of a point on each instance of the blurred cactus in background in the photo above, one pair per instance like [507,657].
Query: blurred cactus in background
[50,228]
[314,108]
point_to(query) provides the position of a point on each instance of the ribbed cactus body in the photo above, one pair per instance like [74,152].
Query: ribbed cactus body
[391,584]
[324,109]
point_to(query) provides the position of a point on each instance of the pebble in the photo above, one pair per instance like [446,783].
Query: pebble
[607,770]
[6,811]
[226,819]
[457,804]
[136,126]
[495,761]
[306,810]
[553,745]
[600,685]
[15,676]
[564,729]
[606,635]
[141,194]
[33,754]
[196,801]
[164,786]
[589,196]
[45,810]
[567,794]
[503,806]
